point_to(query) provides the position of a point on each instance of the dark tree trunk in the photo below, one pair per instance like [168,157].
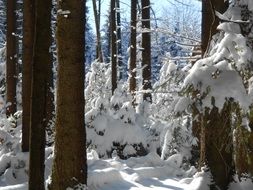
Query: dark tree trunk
[243,146]
[11,60]
[28,38]
[216,145]
[146,52]
[69,165]
[119,43]
[97,15]
[50,106]
[132,63]
[210,21]
[109,38]
[41,63]
[209,25]
[113,45]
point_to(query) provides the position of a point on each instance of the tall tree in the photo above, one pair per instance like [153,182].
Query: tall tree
[97,15]
[210,21]
[113,45]
[69,165]
[119,41]
[209,28]
[146,52]
[41,62]
[28,37]
[11,60]
[132,63]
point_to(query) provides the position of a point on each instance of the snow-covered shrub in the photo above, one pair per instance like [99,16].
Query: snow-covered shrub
[98,86]
[228,59]
[10,134]
[166,91]
[178,138]
[170,114]
[109,129]
[111,121]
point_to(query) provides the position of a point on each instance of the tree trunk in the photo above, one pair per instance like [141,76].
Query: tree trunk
[243,146]
[132,65]
[113,45]
[108,33]
[146,52]
[69,165]
[97,15]
[209,25]
[11,60]
[50,106]
[119,43]
[216,145]
[28,38]
[41,62]
[210,21]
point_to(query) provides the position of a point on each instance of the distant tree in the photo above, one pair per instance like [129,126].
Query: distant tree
[90,43]
[132,62]
[106,38]
[113,45]
[11,60]
[97,15]
[28,38]
[119,41]
[41,63]
[146,51]
[69,165]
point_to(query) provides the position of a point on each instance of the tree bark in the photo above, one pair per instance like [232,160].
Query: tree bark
[210,21]
[243,146]
[28,38]
[216,145]
[11,60]
[69,165]
[41,62]
[113,46]
[146,52]
[132,63]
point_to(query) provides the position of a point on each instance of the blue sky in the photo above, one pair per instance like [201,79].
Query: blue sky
[160,8]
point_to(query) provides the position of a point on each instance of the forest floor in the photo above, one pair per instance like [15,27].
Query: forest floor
[149,172]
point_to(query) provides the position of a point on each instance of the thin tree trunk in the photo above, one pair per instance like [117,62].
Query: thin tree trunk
[69,165]
[97,15]
[109,38]
[146,52]
[11,60]
[132,63]
[119,42]
[41,62]
[28,38]
[113,46]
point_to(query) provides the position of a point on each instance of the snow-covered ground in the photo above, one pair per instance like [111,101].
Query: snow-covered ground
[148,172]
